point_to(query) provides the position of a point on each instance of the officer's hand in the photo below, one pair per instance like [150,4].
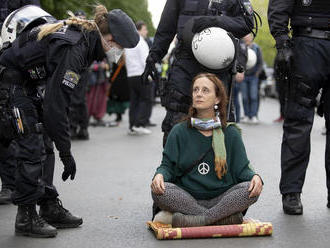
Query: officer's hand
[69,166]
[203,22]
[284,56]
[150,70]
[255,186]
[158,185]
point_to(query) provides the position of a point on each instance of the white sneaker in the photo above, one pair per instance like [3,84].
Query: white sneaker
[245,119]
[141,130]
[254,120]
[164,217]
[132,132]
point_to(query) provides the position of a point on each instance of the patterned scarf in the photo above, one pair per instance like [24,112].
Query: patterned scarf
[218,142]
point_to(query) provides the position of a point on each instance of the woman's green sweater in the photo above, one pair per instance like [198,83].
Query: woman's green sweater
[185,145]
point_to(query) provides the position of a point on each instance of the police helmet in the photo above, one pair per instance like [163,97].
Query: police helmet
[123,29]
[18,21]
[252,59]
[214,48]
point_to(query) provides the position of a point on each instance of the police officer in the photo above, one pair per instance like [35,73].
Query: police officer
[7,154]
[235,16]
[54,56]
[305,60]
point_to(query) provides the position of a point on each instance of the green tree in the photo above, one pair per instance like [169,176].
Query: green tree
[264,39]
[136,9]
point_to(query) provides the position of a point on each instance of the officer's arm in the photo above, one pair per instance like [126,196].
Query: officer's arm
[66,68]
[279,12]
[237,19]
[166,29]
[34,2]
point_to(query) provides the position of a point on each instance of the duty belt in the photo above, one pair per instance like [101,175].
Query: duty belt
[313,33]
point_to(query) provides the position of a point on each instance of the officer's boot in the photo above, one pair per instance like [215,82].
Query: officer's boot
[83,134]
[29,223]
[292,204]
[5,196]
[56,215]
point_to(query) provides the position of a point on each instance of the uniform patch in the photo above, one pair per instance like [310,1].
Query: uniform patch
[248,7]
[306,2]
[71,79]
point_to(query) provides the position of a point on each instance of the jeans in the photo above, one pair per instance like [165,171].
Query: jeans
[249,89]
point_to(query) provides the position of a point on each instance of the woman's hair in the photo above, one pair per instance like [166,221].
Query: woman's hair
[100,22]
[220,92]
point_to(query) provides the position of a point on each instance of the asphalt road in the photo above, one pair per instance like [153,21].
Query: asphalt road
[112,191]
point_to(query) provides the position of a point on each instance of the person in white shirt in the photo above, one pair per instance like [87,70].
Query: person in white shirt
[140,94]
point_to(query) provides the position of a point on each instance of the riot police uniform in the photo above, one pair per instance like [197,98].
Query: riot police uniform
[40,77]
[7,154]
[235,16]
[307,55]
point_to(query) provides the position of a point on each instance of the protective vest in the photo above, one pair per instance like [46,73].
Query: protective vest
[191,8]
[311,13]
[30,54]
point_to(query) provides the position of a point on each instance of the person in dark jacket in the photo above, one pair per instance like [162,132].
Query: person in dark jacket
[41,69]
[186,17]
[7,155]
[303,63]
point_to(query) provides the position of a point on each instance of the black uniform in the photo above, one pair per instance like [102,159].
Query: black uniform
[310,50]
[56,63]
[7,154]
[234,18]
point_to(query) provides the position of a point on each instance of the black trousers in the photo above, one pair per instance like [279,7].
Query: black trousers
[311,63]
[35,153]
[78,107]
[140,102]
[181,75]
[8,164]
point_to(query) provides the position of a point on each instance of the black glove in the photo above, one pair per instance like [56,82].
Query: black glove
[69,165]
[203,22]
[284,55]
[150,70]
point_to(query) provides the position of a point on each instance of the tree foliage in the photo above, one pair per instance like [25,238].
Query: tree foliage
[136,9]
[264,39]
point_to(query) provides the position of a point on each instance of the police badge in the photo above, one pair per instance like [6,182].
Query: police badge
[306,2]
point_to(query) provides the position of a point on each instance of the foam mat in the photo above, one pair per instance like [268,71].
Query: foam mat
[249,227]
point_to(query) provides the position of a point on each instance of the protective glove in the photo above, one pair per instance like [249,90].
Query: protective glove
[150,70]
[203,22]
[284,55]
[69,165]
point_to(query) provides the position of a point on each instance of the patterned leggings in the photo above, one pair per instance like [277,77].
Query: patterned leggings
[234,200]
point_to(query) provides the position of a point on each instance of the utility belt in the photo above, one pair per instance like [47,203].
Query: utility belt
[13,122]
[312,33]
[172,99]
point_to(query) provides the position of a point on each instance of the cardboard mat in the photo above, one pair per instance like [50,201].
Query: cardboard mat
[249,227]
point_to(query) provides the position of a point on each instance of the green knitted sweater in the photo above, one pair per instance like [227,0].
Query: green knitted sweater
[185,145]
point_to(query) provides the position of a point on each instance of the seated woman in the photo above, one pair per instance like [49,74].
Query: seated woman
[205,176]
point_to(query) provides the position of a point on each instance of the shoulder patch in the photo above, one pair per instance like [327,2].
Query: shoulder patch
[71,79]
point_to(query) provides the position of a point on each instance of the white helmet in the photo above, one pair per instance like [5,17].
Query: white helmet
[17,21]
[0,43]
[214,48]
[252,59]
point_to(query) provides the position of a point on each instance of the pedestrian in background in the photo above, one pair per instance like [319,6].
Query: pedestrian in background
[250,85]
[140,93]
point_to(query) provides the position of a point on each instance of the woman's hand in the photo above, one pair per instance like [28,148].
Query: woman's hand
[157,185]
[255,186]
[239,77]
